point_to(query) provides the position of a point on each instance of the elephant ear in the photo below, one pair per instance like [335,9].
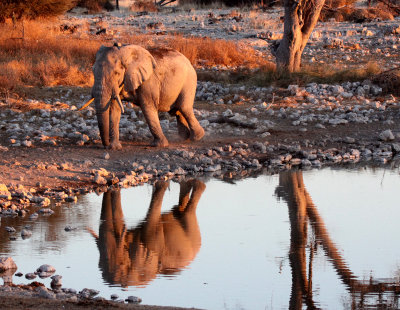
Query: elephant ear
[139,66]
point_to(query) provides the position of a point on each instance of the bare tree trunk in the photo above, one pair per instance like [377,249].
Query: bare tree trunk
[117,4]
[301,16]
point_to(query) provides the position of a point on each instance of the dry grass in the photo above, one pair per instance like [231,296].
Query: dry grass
[209,52]
[317,74]
[43,57]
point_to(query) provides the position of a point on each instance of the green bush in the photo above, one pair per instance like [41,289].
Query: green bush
[32,9]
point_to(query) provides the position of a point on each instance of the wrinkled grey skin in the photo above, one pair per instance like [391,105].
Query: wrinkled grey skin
[159,80]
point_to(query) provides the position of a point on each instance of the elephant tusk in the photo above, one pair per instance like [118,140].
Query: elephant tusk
[86,104]
[120,103]
[121,87]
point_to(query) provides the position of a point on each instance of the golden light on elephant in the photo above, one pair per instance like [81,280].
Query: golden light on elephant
[156,80]
[164,243]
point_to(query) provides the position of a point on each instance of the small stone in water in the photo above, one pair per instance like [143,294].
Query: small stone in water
[19,274]
[114,296]
[7,263]
[46,268]
[26,233]
[56,281]
[88,293]
[10,229]
[133,299]
[30,276]
[69,228]
[33,216]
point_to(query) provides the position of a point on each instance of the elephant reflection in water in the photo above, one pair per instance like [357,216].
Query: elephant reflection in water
[302,212]
[164,243]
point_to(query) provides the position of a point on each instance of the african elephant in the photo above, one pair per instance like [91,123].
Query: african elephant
[157,80]
[163,243]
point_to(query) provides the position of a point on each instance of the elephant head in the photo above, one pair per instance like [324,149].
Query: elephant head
[115,66]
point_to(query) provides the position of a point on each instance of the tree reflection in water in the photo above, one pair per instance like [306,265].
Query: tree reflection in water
[163,243]
[302,211]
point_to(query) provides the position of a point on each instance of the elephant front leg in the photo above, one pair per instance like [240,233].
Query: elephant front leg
[151,115]
[115,117]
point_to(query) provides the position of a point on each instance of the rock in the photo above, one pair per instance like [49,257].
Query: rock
[45,293]
[396,148]
[33,216]
[19,274]
[386,135]
[46,211]
[56,281]
[30,276]
[114,296]
[106,156]
[7,263]
[133,300]
[69,228]
[4,193]
[10,229]
[26,143]
[46,268]
[88,293]
[98,179]
[349,140]
[213,168]
[26,233]
[71,199]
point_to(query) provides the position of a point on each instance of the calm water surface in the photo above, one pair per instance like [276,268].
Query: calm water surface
[321,238]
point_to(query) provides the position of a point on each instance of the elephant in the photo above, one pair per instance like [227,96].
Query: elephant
[163,243]
[156,80]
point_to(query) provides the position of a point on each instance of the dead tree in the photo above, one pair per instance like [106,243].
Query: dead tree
[301,16]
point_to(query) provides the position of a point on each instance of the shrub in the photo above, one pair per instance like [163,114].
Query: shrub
[95,6]
[31,9]
[343,10]
[389,81]
[144,5]
[229,3]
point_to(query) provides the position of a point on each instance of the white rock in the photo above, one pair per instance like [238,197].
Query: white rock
[7,263]
[386,135]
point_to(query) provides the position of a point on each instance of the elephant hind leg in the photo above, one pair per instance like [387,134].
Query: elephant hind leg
[185,104]
[196,131]
[183,127]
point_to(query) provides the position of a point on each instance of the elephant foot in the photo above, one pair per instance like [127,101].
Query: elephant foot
[115,146]
[196,136]
[184,133]
[160,142]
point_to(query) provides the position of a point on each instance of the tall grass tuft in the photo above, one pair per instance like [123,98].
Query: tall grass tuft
[43,56]
[32,9]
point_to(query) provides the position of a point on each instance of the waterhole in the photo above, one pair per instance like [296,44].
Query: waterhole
[320,238]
